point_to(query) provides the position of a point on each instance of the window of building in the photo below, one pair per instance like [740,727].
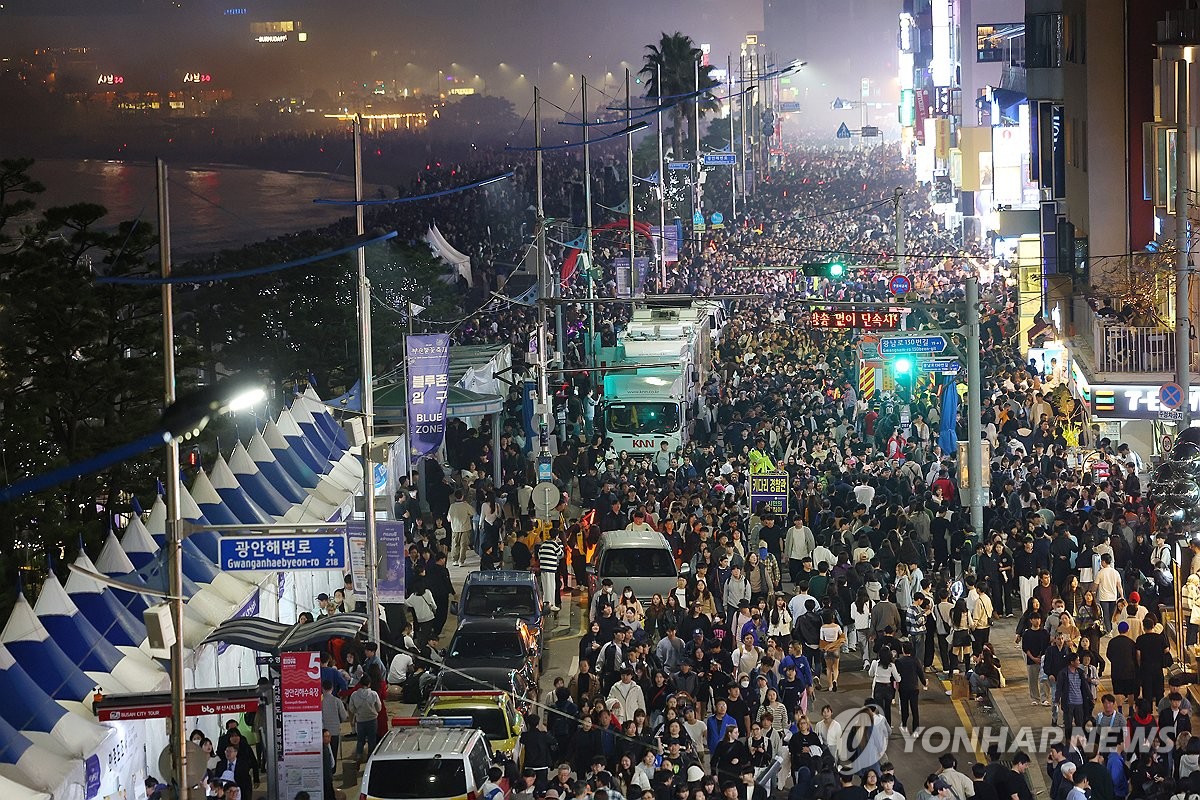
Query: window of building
[1000,43]
[1043,41]
[1075,38]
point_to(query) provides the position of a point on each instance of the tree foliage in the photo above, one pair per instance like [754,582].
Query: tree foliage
[80,365]
[677,55]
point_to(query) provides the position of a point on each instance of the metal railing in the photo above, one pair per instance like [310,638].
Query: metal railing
[1124,348]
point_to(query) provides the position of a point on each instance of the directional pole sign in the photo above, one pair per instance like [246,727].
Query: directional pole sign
[900,284]
[895,345]
[282,553]
[679,165]
[720,159]
[945,367]
[698,221]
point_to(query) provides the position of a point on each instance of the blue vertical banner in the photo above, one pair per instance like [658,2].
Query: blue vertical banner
[428,385]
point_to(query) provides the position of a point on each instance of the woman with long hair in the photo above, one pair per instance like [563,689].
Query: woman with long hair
[653,621]
[1071,593]
[960,635]
[705,600]
[1088,619]
[1032,609]
[832,639]
[730,755]
[779,620]
[860,615]
[885,678]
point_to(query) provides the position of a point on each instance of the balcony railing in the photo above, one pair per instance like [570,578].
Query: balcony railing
[1117,347]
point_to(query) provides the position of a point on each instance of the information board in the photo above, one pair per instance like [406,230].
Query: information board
[770,488]
[865,320]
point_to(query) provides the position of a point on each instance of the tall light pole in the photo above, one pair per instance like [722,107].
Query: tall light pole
[174,527]
[732,170]
[1183,320]
[587,201]
[368,399]
[974,407]
[662,186]
[629,168]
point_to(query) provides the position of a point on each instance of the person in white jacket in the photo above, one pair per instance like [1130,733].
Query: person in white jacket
[797,544]
[424,609]
[628,694]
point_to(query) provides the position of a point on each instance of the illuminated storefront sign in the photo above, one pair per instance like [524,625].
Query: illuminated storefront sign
[866,320]
[108,79]
[1123,400]
[197,77]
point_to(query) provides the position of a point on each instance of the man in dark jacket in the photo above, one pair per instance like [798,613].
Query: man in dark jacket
[1073,693]
[537,749]
[437,579]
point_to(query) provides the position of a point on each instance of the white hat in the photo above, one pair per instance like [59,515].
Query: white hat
[695,774]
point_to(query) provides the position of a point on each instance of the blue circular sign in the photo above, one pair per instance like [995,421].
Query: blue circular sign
[718,218]
[1170,395]
[900,284]
[697,218]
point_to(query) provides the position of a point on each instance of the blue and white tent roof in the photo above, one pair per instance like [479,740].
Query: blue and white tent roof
[86,647]
[103,608]
[25,764]
[113,559]
[46,723]
[281,480]
[138,545]
[316,430]
[30,643]
[251,480]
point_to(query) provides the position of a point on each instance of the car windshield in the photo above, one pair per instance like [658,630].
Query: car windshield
[489,720]
[642,418]
[486,644]
[413,778]
[501,601]
[638,562]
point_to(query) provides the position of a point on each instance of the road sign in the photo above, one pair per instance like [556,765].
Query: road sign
[893,345]
[843,131]
[299,552]
[1170,415]
[697,221]
[770,488]
[1170,395]
[718,219]
[720,159]
[789,106]
[546,496]
[900,284]
[868,131]
[942,366]
[679,165]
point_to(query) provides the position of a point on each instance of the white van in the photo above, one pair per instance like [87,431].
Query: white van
[427,759]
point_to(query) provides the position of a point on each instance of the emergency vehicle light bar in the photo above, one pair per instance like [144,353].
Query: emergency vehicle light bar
[432,722]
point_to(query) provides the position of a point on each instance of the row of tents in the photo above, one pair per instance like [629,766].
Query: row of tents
[87,636]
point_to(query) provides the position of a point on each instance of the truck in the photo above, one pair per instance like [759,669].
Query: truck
[645,407]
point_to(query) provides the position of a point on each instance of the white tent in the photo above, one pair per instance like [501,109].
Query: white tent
[442,249]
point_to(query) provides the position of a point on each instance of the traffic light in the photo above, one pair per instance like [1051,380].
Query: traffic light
[904,372]
[833,270]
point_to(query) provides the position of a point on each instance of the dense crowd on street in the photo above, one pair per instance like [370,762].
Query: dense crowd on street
[874,568]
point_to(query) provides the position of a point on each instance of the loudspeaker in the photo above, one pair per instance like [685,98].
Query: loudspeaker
[160,631]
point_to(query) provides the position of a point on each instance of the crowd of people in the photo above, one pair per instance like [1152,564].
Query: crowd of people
[725,685]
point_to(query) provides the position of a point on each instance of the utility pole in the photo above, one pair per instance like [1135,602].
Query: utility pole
[544,299]
[732,170]
[698,187]
[368,399]
[742,120]
[587,200]
[974,408]
[899,222]
[174,521]
[1183,320]
[629,167]
[662,187]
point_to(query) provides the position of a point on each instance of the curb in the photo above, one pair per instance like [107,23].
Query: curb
[1036,774]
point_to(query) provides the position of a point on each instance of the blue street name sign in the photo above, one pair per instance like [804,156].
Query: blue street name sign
[944,367]
[892,345]
[679,165]
[720,159]
[256,552]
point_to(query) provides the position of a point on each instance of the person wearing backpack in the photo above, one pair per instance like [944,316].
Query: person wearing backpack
[563,720]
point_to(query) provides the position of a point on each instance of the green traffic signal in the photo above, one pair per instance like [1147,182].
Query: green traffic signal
[902,365]
[833,270]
